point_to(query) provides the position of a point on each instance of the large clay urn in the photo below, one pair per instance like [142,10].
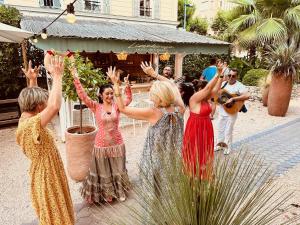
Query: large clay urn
[279,94]
[265,94]
[79,151]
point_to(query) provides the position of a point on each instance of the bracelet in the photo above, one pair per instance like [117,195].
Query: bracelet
[118,95]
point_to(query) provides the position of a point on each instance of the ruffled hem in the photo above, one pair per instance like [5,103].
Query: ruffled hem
[112,151]
[98,189]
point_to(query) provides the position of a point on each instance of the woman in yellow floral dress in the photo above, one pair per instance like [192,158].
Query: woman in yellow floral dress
[49,186]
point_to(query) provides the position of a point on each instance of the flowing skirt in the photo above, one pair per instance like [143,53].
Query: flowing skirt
[107,176]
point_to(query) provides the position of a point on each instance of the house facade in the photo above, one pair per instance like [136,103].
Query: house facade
[208,9]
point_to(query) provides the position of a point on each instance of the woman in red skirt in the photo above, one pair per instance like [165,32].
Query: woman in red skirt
[198,142]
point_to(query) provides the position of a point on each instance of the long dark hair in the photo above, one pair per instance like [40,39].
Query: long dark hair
[199,84]
[187,90]
[102,89]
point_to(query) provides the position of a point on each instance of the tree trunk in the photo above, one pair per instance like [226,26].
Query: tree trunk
[279,94]
[24,54]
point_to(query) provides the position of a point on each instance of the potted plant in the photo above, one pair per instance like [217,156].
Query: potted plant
[284,60]
[264,84]
[80,138]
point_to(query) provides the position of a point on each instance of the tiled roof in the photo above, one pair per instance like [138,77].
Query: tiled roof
[103,29]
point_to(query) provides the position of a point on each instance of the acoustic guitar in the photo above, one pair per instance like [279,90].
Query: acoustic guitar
[231,108]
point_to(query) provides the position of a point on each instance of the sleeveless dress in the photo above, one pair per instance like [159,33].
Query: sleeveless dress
[50,192]
[198,141]
[163,139]
[107,173]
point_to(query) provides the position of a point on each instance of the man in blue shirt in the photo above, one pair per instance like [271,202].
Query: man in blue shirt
[210,71]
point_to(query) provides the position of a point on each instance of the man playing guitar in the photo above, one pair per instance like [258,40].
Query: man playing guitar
[227,120]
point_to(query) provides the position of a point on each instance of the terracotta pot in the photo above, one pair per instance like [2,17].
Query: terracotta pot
[79,151]
[265,95]
[279,94]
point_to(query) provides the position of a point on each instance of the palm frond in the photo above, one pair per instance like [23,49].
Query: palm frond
[284,59]
[248,37]
[240,191]
[271,29]
[292,17]
[243,22]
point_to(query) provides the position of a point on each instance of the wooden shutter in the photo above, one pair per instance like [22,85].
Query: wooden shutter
[106,7]
[136,7]
[56,4]
[42,3]
[156,9]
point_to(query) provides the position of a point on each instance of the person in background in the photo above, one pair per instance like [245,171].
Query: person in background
[226,121]
[168,72]
[50,192]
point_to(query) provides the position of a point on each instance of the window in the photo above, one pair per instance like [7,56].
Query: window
[145,9]
[92,5]
[50,3]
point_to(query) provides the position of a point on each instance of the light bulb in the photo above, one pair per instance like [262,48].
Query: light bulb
[34,40]
[71,18]
[44,35]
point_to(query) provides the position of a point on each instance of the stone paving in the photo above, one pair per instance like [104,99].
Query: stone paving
[279,146]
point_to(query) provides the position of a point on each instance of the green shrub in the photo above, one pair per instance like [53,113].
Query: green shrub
[253,76]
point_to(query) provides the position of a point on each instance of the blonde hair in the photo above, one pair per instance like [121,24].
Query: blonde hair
[31,97]
[162,92]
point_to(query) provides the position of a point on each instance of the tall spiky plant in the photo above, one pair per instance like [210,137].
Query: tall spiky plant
[239,191]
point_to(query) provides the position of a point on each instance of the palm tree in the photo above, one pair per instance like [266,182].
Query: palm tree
[258,23]
[284,61]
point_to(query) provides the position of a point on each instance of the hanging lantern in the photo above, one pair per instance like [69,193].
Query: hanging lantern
[164,57]
[122,56]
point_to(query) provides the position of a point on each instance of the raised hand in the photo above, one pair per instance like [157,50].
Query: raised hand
[113,75]
[221,68]
[54,65]
[147,68]
[31,73]
[126,80]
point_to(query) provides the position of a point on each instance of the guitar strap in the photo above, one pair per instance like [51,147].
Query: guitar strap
[243,109]
[224,85]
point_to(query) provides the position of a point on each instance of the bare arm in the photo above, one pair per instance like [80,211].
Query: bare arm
[56,69]
[211,87]
[147,114]
[147,68]
[127,91]
[243,97]
[204,93]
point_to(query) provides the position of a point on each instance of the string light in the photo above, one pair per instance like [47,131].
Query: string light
[71,18]
[44,33]
[35,40]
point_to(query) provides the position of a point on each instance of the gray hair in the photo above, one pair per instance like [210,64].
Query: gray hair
[31,97]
